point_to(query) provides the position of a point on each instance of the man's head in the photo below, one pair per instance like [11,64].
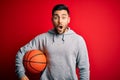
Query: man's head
[60,18]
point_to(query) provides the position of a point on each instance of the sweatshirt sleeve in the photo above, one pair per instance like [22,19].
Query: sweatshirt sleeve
[82,60]
[36,43]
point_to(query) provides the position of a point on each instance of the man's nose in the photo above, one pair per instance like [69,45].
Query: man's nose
[60,20]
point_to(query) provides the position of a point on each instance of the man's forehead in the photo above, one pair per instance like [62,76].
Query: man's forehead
[60,12]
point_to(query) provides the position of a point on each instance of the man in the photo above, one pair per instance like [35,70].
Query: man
[65,50]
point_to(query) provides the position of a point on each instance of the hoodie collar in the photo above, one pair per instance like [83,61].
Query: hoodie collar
[69,32]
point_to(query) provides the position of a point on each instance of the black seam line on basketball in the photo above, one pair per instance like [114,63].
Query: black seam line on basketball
[28,57]
[35,62]
[28,54]
[33,68]
[31,65]
[34,56]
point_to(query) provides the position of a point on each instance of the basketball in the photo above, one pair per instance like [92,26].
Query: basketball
[34,61]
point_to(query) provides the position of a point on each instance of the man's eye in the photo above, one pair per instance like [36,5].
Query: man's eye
[63,17]
[55,17]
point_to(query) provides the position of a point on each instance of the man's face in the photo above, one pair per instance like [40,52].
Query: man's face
[60,21]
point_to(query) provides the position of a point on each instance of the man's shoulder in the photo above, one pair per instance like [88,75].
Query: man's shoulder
[78,37]
[42,35]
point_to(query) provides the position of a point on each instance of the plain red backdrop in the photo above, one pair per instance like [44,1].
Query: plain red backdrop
[98,21]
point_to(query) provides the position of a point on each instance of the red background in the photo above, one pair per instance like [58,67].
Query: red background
[97,21]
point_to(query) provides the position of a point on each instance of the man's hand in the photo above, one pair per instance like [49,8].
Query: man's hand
[24,78]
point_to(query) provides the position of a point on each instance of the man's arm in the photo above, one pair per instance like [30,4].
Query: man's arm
[36,43]
[83,61]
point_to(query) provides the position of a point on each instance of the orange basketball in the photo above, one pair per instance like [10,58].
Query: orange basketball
[34,61]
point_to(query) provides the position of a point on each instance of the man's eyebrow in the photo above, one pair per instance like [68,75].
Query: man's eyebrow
[57,14]
[64,14]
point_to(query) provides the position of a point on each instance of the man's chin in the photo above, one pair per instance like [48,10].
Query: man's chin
[60,32]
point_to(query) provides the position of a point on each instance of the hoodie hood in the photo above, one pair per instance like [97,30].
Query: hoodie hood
[69,32]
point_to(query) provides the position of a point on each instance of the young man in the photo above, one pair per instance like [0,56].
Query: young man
[65,50]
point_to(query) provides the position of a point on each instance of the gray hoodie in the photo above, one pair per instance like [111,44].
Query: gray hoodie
[64,53]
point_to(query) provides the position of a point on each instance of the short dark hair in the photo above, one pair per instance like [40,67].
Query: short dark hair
[60,7]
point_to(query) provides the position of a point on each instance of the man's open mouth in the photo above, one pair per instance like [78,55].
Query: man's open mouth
[60,27]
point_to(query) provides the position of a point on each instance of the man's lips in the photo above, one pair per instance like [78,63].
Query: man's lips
[60,27]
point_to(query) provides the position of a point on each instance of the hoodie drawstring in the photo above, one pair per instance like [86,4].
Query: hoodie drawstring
[53,38]
[63,37]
